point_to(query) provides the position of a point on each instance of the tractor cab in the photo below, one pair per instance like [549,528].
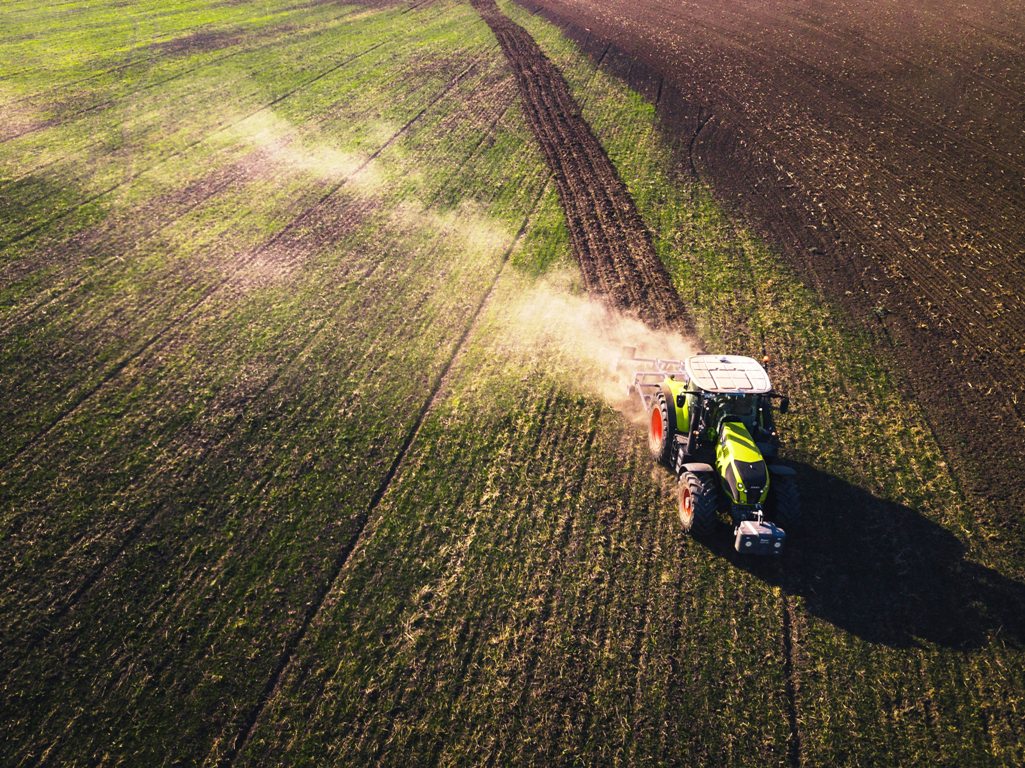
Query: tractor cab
[731,390]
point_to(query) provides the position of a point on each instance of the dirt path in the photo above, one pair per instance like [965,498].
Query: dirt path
[609,239]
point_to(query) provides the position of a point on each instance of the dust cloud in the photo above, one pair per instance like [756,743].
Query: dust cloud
[582,336]
[286,150]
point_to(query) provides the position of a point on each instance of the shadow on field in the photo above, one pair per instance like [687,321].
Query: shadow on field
[884,572]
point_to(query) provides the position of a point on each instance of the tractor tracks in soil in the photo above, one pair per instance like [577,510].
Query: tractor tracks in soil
[609,238]
[933,274]
[607,234]
[790,682]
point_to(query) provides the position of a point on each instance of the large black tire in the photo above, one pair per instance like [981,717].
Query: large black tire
[786,502]
[698,499]
[660,433]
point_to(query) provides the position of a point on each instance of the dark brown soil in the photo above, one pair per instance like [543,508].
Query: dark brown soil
[881,148]
[197,42]
[609,239]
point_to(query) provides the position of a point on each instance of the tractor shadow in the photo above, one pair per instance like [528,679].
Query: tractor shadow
[885,573]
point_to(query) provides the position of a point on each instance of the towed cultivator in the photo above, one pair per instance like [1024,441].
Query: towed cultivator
[710,422]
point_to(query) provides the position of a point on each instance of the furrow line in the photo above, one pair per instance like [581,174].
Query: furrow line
[118,367]
[313,606]
[607,233]
[588,199]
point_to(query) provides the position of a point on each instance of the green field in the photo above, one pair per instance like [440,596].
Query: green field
[307,456]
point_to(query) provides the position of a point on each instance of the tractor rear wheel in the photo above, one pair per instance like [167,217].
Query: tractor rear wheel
[786,502]
[660,437]
[698,502]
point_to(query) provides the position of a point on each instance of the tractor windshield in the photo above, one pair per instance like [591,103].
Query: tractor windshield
[738,408]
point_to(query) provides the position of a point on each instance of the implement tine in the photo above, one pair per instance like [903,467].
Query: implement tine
[648,374]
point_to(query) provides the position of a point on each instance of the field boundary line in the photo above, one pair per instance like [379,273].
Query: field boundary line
[313,607]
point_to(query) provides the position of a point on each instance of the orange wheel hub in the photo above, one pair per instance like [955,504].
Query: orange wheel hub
[656,426]
[686,502]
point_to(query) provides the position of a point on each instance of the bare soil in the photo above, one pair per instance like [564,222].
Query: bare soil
[609,239]
[880,148]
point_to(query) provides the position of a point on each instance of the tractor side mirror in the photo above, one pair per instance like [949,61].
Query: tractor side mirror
[784,405]
[681,400]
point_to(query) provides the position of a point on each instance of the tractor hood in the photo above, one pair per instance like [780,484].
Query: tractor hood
[744,473]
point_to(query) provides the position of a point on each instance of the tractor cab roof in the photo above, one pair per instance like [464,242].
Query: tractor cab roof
[728,374]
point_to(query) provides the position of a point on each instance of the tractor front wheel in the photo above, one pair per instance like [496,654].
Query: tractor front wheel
[698,502]
[786,502]
[660,437]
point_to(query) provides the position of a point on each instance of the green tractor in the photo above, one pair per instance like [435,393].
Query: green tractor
[710,422]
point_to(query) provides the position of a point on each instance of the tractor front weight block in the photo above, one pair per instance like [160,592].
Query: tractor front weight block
[759,538]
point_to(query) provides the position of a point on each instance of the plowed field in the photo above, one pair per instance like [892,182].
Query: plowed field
[881,147]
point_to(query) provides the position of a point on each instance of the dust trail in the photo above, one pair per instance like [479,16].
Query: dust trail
[286,149]
[582,337]
[468,224]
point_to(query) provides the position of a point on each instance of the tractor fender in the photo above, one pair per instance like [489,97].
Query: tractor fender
[782,470]
[697,467]
[670,410]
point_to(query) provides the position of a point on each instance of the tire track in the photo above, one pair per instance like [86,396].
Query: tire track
[293,226]
[790,684]
[608,237]
[355,214]
[314,605]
